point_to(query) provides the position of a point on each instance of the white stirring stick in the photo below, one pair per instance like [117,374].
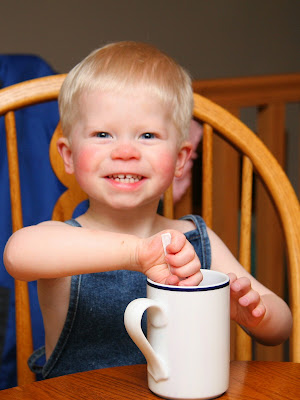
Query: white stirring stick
[166,240]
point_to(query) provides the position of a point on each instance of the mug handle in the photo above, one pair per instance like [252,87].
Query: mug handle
[157,368]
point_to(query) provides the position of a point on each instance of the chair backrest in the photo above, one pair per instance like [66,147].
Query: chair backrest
[216,121]
[270,105]
[256,159]
[12,99]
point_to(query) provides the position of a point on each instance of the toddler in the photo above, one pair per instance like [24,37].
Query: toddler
[125,111]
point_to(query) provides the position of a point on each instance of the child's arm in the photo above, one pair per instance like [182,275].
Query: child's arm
[260,311]
[54,250]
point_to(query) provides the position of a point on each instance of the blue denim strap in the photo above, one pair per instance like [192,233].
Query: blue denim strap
[32,360]
[200,240]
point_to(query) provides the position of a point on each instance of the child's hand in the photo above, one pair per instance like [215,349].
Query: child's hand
[181,257]
[246,306]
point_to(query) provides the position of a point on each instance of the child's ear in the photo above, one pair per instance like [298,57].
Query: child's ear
[64,149]
[183,156]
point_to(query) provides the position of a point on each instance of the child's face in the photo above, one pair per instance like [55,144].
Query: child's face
[123,149]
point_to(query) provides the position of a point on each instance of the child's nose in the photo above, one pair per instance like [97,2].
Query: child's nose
[125,151]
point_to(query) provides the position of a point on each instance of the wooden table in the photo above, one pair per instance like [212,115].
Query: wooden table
[255,380]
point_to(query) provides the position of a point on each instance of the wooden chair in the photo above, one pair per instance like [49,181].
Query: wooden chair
[216,121]
[270,105]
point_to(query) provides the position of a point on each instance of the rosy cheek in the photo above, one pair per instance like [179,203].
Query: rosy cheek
[166,165]
[84,160]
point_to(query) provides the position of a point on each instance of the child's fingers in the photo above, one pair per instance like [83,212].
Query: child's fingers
[241,286]
[252,298]
[187,270]
[182,258]
[252,302]
[178,241]
[172,280]
[193,280]
[246,307]
[259,311]
[232,277]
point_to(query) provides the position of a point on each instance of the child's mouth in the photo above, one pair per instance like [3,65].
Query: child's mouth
[126,178]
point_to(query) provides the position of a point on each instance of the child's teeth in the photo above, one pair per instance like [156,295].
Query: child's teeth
[128,178]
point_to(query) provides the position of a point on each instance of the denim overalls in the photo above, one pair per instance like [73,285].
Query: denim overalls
[94,335]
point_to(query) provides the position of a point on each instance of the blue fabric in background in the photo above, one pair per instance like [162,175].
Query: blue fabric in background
[39,189]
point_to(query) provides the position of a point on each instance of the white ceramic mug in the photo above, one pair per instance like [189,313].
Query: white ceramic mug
[188,330]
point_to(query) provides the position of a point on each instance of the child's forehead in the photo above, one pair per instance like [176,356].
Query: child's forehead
[138,91]
[113,98]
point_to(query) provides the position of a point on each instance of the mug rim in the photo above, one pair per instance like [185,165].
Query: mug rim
[207,287]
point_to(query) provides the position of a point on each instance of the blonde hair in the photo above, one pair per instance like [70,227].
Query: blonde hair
[128,66]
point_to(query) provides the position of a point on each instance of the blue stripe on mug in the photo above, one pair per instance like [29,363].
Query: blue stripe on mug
[188,288]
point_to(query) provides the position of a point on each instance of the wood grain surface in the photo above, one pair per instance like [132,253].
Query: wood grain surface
[255,380]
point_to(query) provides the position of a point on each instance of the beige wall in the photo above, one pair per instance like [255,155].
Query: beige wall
[211,38]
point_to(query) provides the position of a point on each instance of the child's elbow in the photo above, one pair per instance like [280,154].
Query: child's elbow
[285,328]
[12,257]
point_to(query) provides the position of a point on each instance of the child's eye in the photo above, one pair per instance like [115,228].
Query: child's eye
[103,135]
[148,135]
